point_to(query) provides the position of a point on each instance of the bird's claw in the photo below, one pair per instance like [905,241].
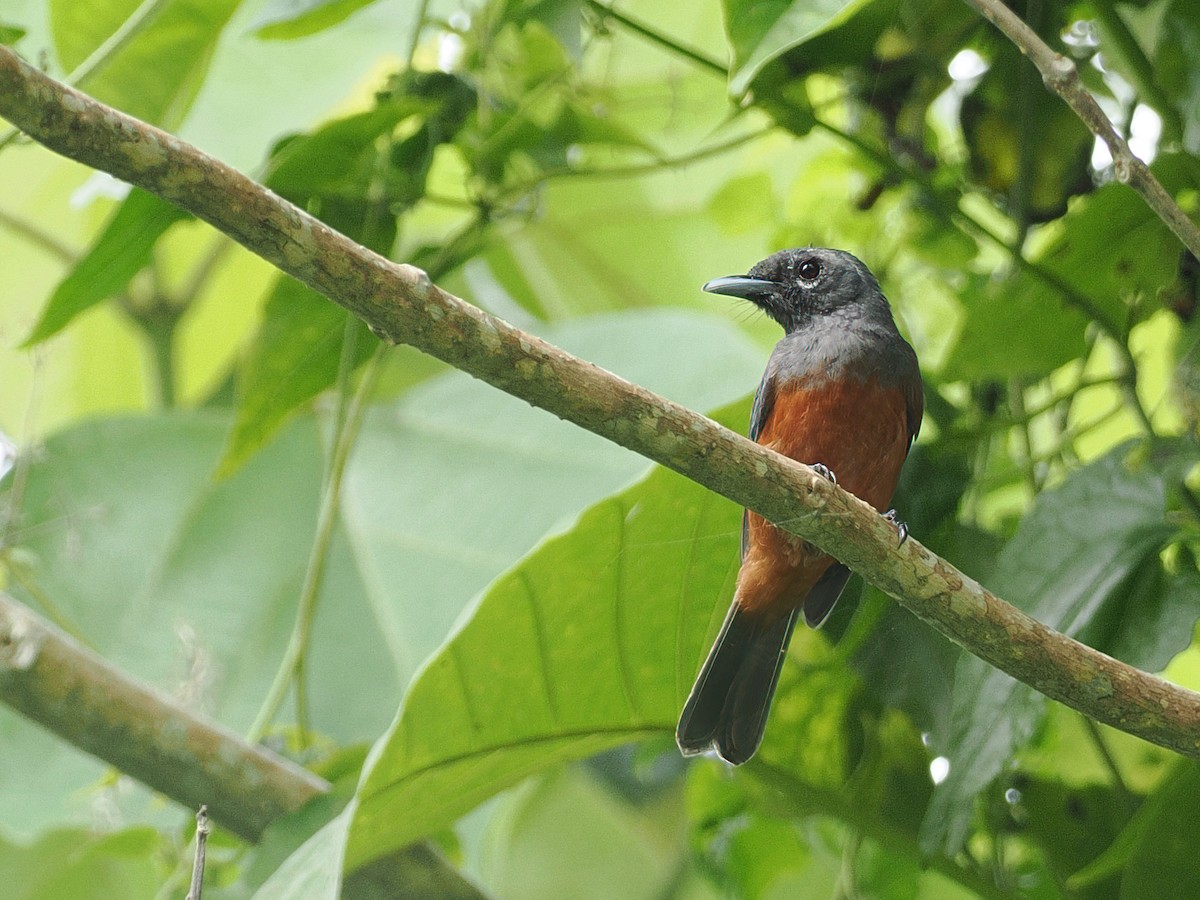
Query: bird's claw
[901,527]
[825,472]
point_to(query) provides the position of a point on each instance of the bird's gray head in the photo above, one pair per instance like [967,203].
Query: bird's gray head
[796,287]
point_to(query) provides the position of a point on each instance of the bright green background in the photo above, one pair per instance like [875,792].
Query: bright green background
[512,610]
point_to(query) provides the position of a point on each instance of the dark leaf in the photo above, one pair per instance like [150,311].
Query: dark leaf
[1071,556]
[1006,120]
[1163,858]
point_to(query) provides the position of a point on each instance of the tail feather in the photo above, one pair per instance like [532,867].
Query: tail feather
[727,709]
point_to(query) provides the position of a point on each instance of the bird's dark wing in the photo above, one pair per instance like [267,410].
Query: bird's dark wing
[821,599]
[914,401]
[764,399]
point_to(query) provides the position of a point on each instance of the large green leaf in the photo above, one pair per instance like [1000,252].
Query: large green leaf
[1111,249]
[760,32]
[1173,69]
[1152,853]
[1013,328]
[590,641]
[175,43]
[120,252]
[448,487]
[565,835]
[1073,554]
[314,871]
[162,570]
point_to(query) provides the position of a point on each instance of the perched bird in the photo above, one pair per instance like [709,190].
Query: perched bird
[842,393]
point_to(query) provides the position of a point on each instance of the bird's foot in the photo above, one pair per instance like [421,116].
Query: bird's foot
[901,527]
[825,472]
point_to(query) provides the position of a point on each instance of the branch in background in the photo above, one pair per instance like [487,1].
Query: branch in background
[400,303]
[1062,77]
[74,693]
[78,696]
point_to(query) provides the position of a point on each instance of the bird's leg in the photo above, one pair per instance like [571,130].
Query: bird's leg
[901,527]
[825,472]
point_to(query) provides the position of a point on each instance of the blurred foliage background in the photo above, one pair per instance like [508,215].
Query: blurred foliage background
[224,486]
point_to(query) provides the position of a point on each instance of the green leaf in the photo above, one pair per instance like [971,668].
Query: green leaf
[761,853]
[285,20]
[564,835]
[151,562]
[314,872]
[1163,854]
[761,32]
[1111,248]
[78,863]
[121,251]
[1173,69]
[1003,124]
[157,566]
[338,157]
[1072,554]
[1115,250]
[175,44]
[1180,786]
[1013,328]
[11,34]
[1071,824]
[295,355]
[572,651]
[78,29]
[455,481]
[1156,617]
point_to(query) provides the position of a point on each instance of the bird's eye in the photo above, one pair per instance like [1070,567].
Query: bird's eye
[809,270]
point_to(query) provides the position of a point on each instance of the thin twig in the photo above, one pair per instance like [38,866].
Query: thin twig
[39,238]
[1141,70]
[604,11]
[401,303]
[1120,787]
[202,830]
[1061,76]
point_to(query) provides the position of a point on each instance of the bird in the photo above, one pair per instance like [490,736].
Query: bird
[842,392]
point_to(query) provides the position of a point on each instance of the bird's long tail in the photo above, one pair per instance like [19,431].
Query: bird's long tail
[727,709]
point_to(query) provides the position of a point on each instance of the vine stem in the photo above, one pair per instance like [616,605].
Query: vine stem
[344,440]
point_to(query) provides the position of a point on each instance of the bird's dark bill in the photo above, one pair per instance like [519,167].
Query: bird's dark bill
[741,286]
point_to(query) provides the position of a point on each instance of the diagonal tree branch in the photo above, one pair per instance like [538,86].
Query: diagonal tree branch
[1061,76]
[400,304]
